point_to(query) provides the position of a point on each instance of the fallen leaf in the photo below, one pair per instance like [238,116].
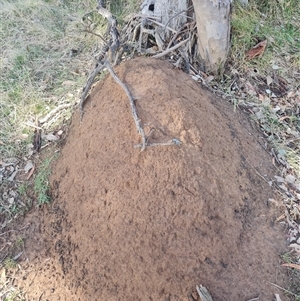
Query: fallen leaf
[68,83]
[277,297]
[11,178]
[295,248]
[291,265]
[257,50]
[275,67]
[11,201]
[28,166]
[283,187]
[279,179]
[3,275]
[250,89]
[269,80]
[31,173]
[51,137]
[280,218]
[209,79]
[290,179]
[196,77]
[203,293]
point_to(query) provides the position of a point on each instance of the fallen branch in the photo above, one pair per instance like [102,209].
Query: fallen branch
[167,51]
[137,121]
[112,45]
[87,87]
[112,23]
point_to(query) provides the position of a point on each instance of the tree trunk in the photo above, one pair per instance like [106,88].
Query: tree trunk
[170,12]
[213,26]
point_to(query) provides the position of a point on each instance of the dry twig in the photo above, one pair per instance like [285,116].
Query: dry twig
[137,121]
[283,289]
[87,87]
[171,142]
[167,51]
[203,293]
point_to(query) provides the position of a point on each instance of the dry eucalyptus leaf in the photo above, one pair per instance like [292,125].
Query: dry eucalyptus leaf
[291,265]
[269,80]
[31,173]
[277,297]
[283,187]
[203,293]
[11,201]
[279,179]
[250,89]
[261,97]
[290,179]
[28,166]
[11,178]
[3,275]
[68,83]
[209,79]
[295,248]
[257,50]
[51,137]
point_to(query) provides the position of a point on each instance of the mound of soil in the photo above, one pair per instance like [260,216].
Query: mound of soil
[131,225]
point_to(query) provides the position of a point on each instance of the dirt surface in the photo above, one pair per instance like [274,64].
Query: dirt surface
[131,225]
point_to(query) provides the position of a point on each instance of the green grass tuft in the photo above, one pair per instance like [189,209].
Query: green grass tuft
[10,263]
[276,21]
[41,182]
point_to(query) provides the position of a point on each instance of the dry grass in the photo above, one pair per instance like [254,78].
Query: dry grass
[268,87]
[46,56]
[44,62]
[274,77]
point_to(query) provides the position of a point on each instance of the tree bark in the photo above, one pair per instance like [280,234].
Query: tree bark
[170,12]
[213,26]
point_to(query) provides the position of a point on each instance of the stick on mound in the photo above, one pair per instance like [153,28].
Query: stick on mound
[153,225]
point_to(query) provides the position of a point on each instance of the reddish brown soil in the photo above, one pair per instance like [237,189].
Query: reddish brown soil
[130,225]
